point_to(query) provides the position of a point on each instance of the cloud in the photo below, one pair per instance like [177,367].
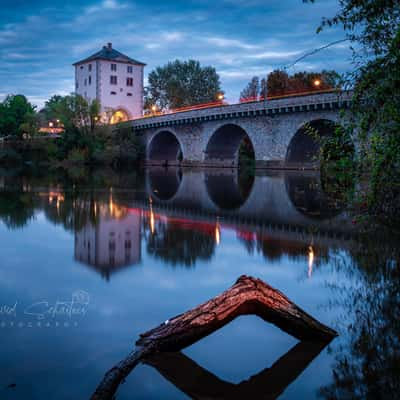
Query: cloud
[267,55]
[239,38]
[106,5]
[173,36]
[226,42]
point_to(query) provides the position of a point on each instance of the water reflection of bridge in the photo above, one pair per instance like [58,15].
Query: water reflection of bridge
[290,206]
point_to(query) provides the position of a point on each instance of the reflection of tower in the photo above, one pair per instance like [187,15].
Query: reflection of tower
[113,243]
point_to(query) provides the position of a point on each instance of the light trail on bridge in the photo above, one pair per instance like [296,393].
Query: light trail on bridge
[221,103]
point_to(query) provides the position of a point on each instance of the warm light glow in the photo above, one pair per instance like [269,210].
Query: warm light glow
[220,96]
[310,260]
[58,121]
[96,118]
[317,82]
[154,108]
[217,233]
[111,203]
[152,225]
[51,124]
[119,116]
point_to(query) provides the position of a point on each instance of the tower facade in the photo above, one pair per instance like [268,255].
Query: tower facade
[115,80]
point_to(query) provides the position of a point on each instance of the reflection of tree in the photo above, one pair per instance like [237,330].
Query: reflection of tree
[17,208]
[273,249]
[176,245]
[307,194]
[75,211]
[67,198]
[368,364]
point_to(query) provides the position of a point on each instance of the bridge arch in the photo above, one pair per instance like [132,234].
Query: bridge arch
[165,149]
[164,183]
[228,191]
[304,147]
[226,143]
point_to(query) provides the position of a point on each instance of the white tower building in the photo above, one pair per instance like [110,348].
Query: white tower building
[115,80]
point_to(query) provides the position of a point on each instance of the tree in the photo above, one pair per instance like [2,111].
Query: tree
[17,116]
[74,111]
[252,90]
[80,118]
[277,83]
[373,28]
[182,83]
[280,83]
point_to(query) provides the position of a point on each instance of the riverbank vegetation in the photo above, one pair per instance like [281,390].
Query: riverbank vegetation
[373,29]
[84,139]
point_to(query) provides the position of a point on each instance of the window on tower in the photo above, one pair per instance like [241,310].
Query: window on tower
[113,80]
[129,81]
[113,67]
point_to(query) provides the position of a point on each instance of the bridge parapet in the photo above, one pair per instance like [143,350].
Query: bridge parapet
[310,102]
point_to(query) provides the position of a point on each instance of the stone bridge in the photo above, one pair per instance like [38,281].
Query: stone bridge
[274,132]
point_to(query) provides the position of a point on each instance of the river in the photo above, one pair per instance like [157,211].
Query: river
[89,260]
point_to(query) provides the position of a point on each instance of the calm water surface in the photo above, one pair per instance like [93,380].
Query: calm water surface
[91,260]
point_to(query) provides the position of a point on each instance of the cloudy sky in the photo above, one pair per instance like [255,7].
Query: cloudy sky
[39,40]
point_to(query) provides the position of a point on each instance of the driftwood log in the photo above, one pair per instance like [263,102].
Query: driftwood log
[247,296]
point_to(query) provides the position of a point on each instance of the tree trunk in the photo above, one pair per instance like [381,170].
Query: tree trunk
[247,296]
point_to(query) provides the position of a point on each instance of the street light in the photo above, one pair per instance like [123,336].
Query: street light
[51,124]
[220,96]
[317,82]
[154,108]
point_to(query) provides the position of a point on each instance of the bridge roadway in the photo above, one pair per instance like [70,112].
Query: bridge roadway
[273,131]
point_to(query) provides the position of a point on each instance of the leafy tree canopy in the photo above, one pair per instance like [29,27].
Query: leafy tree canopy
[280,82]
[181,83]
[74,111]
[17,116]
[255,89]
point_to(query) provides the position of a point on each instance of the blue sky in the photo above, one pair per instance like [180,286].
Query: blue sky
[39,40]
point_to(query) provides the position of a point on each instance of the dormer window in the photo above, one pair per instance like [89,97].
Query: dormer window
[113,67]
